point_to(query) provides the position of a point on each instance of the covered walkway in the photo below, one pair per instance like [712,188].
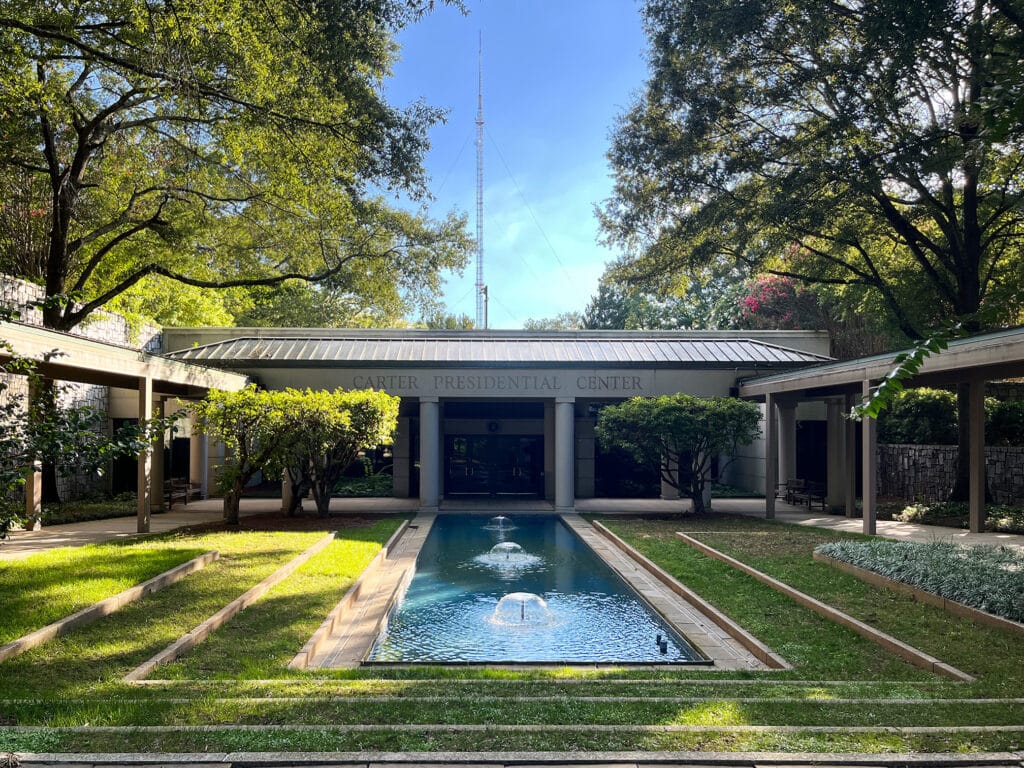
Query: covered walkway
[970,361]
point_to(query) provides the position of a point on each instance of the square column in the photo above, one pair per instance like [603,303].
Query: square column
[787,442]
[430,450]
[145,457]
[850,460]
[976,483]
[869,466]
[835,454]
[771,459]
[198,466]
[401,459]
[156,475]
[565,466]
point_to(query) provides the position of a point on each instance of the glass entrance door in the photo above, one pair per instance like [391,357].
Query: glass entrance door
[494,465]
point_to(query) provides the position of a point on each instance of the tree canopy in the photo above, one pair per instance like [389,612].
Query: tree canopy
[325,432]
[681,434]
[875,145]
[214,145]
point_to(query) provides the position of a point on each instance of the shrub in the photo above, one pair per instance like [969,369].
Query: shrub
[922,416]
[1005,423]
[988,578]
[998,517]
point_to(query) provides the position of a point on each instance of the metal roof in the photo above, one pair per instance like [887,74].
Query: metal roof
[360,350]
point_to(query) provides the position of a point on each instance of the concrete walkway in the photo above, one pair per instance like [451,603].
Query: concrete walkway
[24,543]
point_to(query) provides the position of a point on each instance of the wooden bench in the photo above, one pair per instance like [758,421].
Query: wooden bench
[181,490]
[809,493]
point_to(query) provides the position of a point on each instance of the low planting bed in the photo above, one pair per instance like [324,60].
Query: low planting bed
[990,579]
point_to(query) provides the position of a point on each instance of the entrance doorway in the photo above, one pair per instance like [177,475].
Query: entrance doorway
[494,465]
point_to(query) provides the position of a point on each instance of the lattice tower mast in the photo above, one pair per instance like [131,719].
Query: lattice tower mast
[481,289]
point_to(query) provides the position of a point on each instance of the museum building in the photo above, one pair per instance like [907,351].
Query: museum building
[506,414]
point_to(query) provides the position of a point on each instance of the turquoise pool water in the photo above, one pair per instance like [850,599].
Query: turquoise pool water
[563,604]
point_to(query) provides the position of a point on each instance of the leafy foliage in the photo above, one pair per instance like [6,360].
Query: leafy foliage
[250,424]
[325,432]
[923,416]
[874,145]
[212,145]
[905,366]
[681,434]
[1004,424]
[998,517]
[987,578]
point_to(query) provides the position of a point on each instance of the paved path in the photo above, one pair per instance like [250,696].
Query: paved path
[24,543]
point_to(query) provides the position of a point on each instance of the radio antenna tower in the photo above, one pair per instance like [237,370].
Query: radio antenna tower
[481,289]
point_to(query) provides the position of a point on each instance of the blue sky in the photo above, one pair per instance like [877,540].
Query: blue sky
[556,74]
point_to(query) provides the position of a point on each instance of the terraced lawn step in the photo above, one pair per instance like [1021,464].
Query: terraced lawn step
[519,760]
[472,698]
[524,728]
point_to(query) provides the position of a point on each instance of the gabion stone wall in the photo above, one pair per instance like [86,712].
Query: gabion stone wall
[100,326]
[926,472]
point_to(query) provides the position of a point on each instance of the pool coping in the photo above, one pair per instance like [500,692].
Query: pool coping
[759,650]
[355,623]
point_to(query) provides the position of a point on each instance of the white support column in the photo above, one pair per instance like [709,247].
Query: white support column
[198,469]
[34,481]
[145,457]
[430,461]
[787,442]
[850,460]
[976,485]
[771,459]
[401,459]
[565,500]
[835,448]
[667,491]
[156,475]
[869,466]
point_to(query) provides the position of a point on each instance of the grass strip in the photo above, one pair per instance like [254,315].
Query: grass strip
[43,588]
[785,552]
[101,653]
[276,627]
[880,742]
[512,711]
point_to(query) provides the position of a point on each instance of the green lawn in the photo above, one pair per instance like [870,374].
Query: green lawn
[43,588]
[240,676]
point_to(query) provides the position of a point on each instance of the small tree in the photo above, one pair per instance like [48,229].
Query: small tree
[252,426]
[326,431]
[682,434]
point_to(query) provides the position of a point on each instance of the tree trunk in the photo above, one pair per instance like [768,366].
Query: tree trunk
[46,393]
[322,496]
[232,500]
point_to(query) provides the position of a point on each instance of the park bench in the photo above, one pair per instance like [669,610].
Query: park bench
[180,490]
[807,492]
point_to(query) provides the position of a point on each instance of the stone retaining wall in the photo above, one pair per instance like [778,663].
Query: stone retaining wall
[926,472]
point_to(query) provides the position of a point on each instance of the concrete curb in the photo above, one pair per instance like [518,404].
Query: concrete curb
[106,607]
[758,649]
[906,652]
[188,641]
[245,759]
[921,595]
[314,645]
